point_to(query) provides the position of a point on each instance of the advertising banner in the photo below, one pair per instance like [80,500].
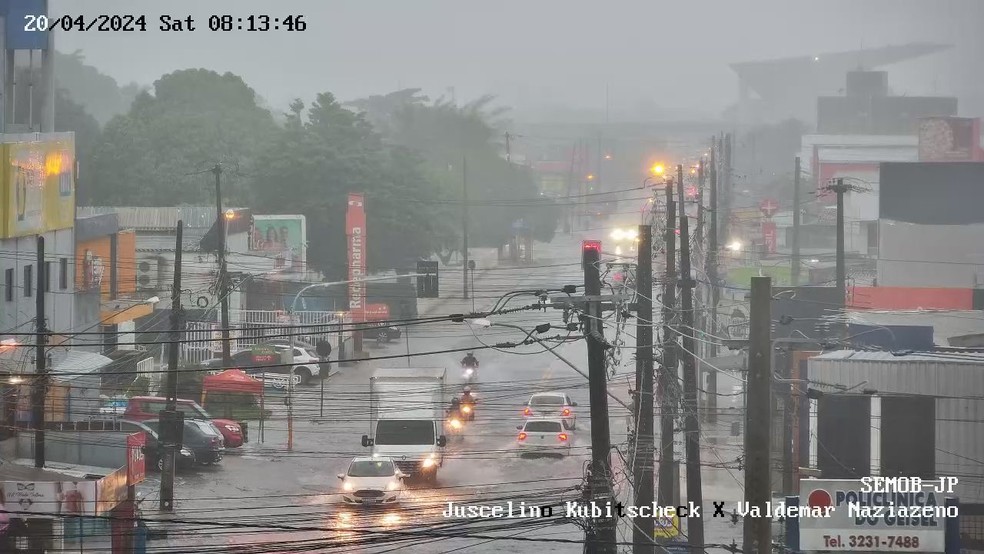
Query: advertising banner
[136,463]
[283,235]
[355,231]
[111,490]
[51,497]
[39,186]
[377,312]
[861,518]
[770,237]
[949,139]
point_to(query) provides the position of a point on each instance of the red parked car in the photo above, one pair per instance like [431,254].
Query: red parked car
[142,408]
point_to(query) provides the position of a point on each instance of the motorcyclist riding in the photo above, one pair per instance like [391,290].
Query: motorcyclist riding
[469,360]
[454,415]
[468,404]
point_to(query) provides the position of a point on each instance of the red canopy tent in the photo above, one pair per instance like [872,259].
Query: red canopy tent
[230,380]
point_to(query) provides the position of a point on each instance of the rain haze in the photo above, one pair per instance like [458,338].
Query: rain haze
[491,276]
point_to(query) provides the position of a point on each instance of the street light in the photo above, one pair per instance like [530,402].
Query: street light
[658,169]
[542,328]
[230,215]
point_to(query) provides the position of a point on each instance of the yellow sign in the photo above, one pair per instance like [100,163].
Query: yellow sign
[666,527]
[38,185]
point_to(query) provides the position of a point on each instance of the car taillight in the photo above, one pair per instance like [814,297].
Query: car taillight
[527,412]
[522,436]
[562,436]
[567,411]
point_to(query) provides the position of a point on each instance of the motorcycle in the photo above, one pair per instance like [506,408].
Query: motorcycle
[469,374]
[468,410]
[455,425]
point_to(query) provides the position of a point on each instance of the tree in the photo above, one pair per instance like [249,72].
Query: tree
[70,116]
[322,155]
[98,93]
[158,152]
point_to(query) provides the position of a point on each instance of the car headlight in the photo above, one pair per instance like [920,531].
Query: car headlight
[455,424]
[232,428]
[466,409]
[429,462]
[468,372]
[393,485]
[347,486]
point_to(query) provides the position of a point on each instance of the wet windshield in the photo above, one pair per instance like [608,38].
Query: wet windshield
[371,469]
[397,432]
[547,401]
[542,427]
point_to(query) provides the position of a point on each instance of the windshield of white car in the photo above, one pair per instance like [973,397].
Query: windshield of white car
[206,428]
[542,427]
[402,432]
[546,401]
[371,469]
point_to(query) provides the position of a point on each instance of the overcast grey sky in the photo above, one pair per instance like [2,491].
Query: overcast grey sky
[533,52]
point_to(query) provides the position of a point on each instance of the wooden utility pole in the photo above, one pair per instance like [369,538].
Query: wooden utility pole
[691,427]
[757,531]
[602,528]
[642,533]
[668,476]
[712,276]
[220,224]
[171,420]
[40,388]
[840,188]
[794,271]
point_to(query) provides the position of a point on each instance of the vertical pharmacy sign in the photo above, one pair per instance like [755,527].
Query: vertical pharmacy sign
[355,225]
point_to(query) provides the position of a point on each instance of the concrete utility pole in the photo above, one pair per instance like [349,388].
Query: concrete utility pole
[757,531]
[642,534]
[794,271]
[508,149]
[41,358]
[220,224]
[695,525]
[172,421]
[603,528]
[712,276]
[464,226]
[840,188]
[668,476]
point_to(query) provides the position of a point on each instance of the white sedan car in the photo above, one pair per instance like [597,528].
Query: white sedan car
[545,436]
[552,404]
[372,481]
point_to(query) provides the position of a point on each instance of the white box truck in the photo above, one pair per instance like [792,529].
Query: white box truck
[406,418]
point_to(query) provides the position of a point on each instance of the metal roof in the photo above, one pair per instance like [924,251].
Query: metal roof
[945,324]
[73,363]
[155,218]
[881,356]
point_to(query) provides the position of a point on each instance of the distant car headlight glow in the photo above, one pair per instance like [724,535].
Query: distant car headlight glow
[347,486]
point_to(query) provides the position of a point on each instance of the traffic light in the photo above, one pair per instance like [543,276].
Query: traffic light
[591,245]
[427,280]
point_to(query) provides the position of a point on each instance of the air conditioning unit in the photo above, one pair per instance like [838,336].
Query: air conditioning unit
[148,274]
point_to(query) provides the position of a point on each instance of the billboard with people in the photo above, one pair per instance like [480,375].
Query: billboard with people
[283,236]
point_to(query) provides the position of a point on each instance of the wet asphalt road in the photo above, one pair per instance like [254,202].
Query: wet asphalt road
[291,496]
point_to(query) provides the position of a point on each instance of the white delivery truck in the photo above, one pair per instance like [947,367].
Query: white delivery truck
[406,418]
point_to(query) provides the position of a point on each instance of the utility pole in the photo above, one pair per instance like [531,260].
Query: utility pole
[172,421]
[464,225]
[726,181]
[41,358]
[712,276]
[601,158]
[668,477]
[508,149]
[757,531]
[691,427]
[603,527]
[642,534]
[794,272]
[223,277]
[840,188]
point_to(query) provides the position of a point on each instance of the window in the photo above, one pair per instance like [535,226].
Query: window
[404,432]
[374,468]
[547,401]
[63,273]
[542,427]
[28,280]
[47,276]
[8,283]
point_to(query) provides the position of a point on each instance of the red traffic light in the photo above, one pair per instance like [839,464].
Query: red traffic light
[591,245]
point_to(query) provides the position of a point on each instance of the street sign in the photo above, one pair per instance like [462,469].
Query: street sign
[666,527]
[377,312]
[863,521]
[769,207]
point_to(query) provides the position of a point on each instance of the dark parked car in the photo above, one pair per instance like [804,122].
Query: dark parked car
[153,453]
[200,437]
[382,333]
